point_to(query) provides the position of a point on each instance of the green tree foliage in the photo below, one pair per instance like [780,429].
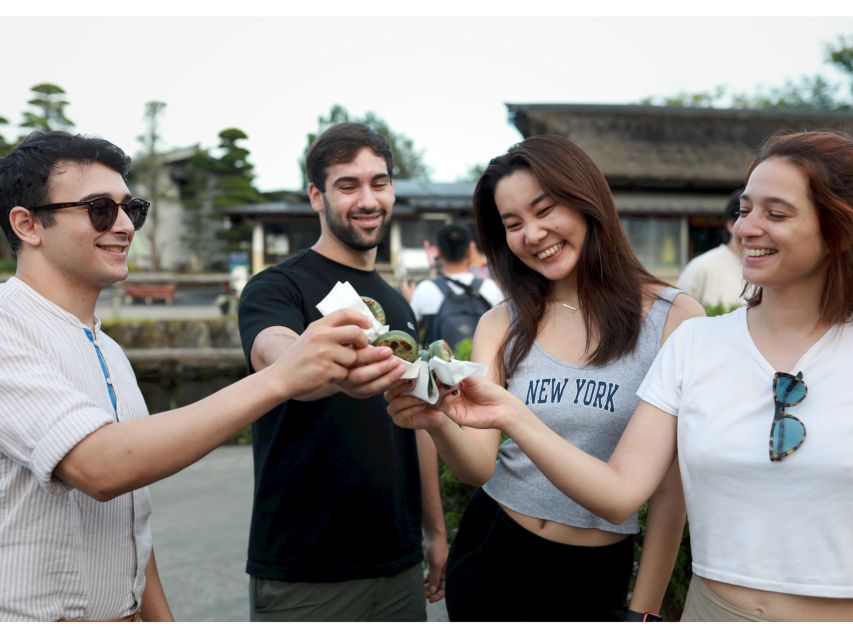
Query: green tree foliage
[214,182]
[473,173]
[809,92]
[7,262]
[840,56]
[5,145]
[235,172]
[48,109]
[408,160]
[196,194]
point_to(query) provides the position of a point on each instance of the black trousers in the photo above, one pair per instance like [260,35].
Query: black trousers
[500,571]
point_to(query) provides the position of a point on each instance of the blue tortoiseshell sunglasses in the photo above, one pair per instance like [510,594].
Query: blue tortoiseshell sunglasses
[788,432]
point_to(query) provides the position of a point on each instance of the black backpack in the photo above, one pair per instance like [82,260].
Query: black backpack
[458,314]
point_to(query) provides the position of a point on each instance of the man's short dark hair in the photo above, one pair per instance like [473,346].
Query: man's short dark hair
[733,205]
[732,212]
[453,241]
[342,143]
[475,236]
[25,171]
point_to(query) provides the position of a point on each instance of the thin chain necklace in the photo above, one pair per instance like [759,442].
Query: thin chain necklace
[565,304]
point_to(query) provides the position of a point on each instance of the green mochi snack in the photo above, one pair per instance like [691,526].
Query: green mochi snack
[440,349]
[375,308]
[401,343]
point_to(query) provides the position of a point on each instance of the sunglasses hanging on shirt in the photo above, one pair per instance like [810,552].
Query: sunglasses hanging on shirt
[788,432]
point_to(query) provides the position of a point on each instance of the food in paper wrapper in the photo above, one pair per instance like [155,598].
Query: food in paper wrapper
[401,343]
[375,308]
[440,349]
[425,367]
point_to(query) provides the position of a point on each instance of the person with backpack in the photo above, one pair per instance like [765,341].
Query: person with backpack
[449,306]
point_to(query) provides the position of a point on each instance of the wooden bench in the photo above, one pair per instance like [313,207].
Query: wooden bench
[149,292]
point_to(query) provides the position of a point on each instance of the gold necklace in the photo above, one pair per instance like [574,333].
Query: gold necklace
[570,307]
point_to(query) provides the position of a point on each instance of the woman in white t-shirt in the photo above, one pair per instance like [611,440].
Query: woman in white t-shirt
[771,527]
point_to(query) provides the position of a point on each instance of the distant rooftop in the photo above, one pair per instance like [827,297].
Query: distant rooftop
[660,146]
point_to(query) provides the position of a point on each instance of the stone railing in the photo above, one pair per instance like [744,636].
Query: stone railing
[178,362]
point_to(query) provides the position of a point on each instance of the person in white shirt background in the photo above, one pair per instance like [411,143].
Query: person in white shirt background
[714,277]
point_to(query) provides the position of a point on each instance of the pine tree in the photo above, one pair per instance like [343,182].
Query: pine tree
[48,113]
[408,161]
[215,182]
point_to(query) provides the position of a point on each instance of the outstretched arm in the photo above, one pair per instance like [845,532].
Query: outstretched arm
[123,456]
[612,489]
[371,374]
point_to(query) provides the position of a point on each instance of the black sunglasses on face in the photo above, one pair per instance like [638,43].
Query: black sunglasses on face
[103,211]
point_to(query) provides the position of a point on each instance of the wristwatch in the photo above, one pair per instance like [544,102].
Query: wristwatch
[636,616]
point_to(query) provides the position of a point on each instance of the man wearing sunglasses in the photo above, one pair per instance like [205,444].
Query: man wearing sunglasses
[77,446]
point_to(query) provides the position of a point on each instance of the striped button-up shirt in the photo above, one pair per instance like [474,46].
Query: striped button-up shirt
[63,555]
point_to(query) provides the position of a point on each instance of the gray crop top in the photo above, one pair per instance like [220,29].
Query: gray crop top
[588,406]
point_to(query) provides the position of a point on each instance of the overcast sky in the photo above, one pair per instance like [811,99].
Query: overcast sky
[443,81]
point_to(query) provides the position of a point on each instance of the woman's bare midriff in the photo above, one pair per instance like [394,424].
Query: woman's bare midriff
[784,607]
[564,533]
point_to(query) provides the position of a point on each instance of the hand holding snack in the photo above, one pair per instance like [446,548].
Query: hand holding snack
[439,366]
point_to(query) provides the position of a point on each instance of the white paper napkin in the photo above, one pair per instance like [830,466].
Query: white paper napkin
[343,296]
[425,374]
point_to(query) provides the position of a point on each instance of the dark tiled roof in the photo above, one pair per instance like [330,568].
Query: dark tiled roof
[640,144]
[632,203]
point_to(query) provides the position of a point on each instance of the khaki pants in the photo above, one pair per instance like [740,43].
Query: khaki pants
[703,605]
[398,598]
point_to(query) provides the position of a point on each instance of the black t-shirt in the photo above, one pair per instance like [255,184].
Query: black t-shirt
[337,486]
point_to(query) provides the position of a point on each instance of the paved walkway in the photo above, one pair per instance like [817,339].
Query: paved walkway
[201,530]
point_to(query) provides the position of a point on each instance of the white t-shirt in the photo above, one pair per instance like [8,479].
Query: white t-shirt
[714,277]
[778,526]
[427,297]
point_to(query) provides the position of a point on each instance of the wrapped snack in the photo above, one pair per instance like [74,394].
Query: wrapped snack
[401,343]
[434,364]
[343,296]
[375,308]
[440,349]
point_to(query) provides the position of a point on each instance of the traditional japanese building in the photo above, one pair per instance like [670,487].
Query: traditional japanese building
[671,170]
[289,225]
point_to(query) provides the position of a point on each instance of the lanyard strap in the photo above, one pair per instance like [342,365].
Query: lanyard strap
[107,378]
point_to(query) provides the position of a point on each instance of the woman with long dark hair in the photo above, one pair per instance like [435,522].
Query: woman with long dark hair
[756,405]
[582,323]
